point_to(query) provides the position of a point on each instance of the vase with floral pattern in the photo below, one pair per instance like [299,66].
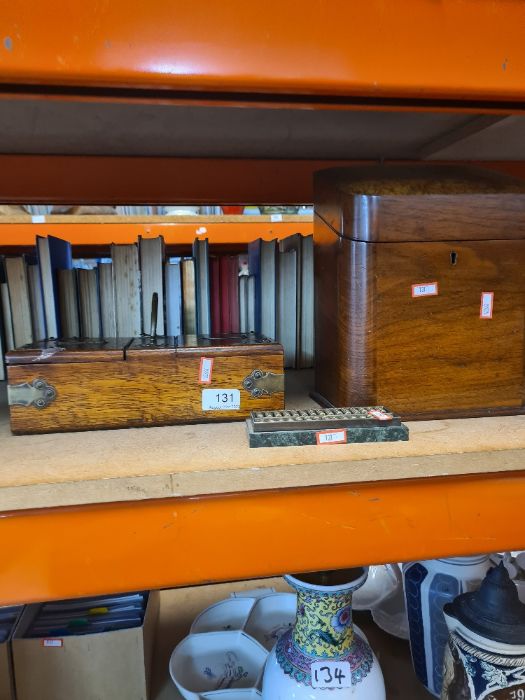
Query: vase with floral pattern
[324,655]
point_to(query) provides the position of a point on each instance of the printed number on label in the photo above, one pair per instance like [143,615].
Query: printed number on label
[331,674]
[487,304]
[221,399]
[429,289]
[517,694]
[330,437]
[52,642]
[205,370]
[380,415]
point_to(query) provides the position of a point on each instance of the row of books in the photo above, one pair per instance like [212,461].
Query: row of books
[89,615]
[268,291]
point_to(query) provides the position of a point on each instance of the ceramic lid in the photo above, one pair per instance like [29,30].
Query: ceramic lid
[494,611]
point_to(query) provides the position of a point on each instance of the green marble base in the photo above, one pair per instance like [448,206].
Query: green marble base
[297,438]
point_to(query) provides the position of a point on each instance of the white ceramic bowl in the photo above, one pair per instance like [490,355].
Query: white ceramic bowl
[259,592]
[215,661]
[271,617]
[264,618]
[230,614]
[252,694]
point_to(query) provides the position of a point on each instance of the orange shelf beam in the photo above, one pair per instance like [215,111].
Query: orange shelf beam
[411,50]
[237,229]
[69,552]
[139,180]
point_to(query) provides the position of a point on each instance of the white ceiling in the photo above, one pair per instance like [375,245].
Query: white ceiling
[32,126]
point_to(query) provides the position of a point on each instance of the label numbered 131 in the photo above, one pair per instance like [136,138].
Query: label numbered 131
[221,399]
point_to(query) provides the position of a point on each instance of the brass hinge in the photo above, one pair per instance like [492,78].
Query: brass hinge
[39,394]
[260,383]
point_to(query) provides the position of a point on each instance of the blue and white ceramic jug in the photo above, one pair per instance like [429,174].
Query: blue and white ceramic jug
[485,654]
[428,586]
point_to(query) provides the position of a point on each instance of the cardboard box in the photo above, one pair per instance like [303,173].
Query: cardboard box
[7,688]
[113,665]
[6,672]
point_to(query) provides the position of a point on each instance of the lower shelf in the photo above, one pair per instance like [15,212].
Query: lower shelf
[180,606]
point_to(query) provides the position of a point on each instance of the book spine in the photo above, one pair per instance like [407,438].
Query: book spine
[189,297]
[254,266]
[37,302]
[18,284]
[235,324]
[204,301]
[225,294]
[173,299]
[197,282]
[215,295]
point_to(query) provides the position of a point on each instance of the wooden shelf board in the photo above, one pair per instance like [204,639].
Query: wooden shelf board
[64,469]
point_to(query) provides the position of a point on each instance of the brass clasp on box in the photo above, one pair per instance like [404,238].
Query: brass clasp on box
[260,383]
[39,394]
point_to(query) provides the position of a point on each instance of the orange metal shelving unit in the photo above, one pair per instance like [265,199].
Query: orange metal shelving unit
[99,231]
[415,55]
[67,552]
[136,180]
[415,50]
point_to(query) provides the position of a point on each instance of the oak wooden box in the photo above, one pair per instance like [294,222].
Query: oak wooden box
[403,256]
[74,385]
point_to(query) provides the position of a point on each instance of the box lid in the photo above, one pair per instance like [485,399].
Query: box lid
[227,344]
[388,203]
[70,350]
[115,349]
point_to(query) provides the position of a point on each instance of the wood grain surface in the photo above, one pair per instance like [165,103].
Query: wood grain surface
[68,351]
[420,203]
[428,356]
[148,388]
[64,469]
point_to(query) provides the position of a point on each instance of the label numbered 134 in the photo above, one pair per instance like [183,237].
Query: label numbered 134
[331,674]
